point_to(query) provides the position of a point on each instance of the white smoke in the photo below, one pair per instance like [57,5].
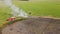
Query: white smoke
[8,2]
[15,10]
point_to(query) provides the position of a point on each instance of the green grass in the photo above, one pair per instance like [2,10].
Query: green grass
[4,14]
[42,8]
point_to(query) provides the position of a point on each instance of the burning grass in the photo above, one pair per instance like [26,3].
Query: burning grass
[5,23]
[43,8]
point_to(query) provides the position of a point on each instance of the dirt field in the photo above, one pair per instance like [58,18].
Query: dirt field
[34,26]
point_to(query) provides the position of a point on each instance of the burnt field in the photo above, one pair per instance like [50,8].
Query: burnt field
[34,26]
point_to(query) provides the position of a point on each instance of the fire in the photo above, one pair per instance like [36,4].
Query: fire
[15,11]
[11,19]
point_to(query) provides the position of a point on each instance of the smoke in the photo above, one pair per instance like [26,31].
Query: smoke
[8,2]
[15,11]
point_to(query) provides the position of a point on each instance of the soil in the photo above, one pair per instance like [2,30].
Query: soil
[34,26]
